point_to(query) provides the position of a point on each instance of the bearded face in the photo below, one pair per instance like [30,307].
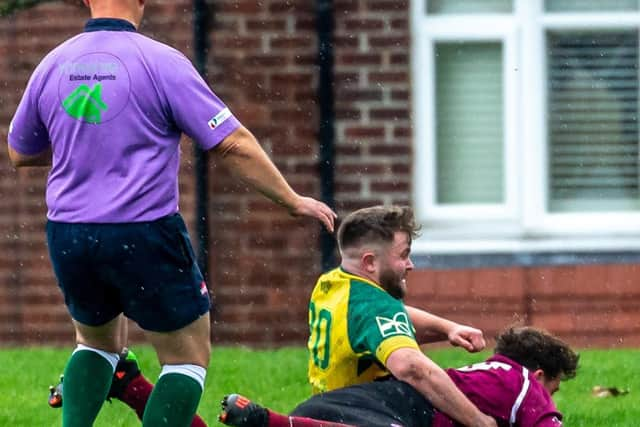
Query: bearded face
[394,282]
[394,266]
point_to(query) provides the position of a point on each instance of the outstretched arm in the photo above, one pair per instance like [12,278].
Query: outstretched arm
[241,154]
[432,328]
[413,367]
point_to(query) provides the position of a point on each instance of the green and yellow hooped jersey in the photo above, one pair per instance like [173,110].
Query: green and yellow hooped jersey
[354,326]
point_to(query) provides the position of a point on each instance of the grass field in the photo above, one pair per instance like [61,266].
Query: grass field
[277,378]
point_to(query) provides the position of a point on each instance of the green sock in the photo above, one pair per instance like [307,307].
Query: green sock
[173,401]
[87,379]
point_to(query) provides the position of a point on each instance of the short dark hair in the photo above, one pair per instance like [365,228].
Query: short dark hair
[536,349]
[376,224]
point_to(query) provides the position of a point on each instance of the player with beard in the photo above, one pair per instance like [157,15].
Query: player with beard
[362,332]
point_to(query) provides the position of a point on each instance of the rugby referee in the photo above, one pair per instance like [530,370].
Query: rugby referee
[106,109]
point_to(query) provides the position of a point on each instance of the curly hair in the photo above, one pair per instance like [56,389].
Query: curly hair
[537,349]
[376,224]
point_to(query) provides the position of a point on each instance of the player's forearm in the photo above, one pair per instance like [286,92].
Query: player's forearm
[428,378]
[241,154]
[429,327]
[447,398]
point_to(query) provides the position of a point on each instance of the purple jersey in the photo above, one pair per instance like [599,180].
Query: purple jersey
[112,104]
[505,390]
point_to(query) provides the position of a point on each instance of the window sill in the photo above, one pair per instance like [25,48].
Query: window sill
[431,252]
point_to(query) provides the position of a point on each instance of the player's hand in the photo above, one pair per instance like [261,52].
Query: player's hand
[471,339]
[307,206]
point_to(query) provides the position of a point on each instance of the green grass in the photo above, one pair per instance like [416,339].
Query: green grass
[277,378]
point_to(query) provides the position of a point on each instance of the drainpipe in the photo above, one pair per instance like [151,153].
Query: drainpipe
[201,21]
[326,134]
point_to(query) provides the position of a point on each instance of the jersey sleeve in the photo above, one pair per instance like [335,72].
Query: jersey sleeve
[538,410]
[27,132]
[194,108]
[379,326]
[549,420]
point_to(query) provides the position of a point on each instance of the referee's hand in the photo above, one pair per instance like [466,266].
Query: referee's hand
[307,206]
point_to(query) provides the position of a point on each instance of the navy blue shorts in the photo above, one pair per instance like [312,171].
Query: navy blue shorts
[146,270]
[386,403]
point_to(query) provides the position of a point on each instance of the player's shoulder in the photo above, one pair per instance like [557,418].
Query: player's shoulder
[331,286]
[356,283]
[495,373]
[522,379]
[363,291]
[336,278]
[538,405]
[368,301]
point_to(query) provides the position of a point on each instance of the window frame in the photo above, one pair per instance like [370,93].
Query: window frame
[441,30]
[521,223]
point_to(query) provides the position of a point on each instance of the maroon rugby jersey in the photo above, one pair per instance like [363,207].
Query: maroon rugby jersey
[505,390]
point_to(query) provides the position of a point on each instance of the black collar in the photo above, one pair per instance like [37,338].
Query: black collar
[108,24]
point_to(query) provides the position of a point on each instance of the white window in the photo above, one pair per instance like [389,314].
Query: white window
[526,124]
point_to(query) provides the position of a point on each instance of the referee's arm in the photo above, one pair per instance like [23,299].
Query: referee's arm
[241,154]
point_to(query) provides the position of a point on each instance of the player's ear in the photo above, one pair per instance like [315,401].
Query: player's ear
[368,260]
[538,374]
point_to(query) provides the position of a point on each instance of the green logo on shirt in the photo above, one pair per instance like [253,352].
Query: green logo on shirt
[85,103]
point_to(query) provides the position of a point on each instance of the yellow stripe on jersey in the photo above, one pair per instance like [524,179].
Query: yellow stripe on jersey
[354,326]
[392,344]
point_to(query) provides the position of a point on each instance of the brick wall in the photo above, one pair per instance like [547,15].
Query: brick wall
[372,102]
[31,308]
[263,263]
[263,65]
[590,306]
